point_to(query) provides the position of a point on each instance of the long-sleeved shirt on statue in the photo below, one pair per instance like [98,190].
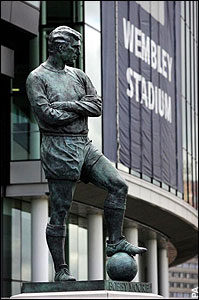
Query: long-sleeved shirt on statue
[62,100]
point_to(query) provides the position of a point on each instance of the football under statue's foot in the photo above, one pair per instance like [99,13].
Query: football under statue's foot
[63,274]
[123,246]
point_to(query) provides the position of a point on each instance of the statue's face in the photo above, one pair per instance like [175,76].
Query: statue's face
[70,52]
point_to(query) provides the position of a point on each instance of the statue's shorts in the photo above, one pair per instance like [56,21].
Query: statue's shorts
[68,157]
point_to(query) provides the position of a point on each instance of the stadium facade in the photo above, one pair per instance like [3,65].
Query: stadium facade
[142,58]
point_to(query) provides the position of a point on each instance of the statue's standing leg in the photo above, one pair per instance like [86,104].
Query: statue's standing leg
[104,175]
[61,195]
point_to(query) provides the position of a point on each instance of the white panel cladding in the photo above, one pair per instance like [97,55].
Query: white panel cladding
[7,61]
[25,16]
[6,10]
[25,172]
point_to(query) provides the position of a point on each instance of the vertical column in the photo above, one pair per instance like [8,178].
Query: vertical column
[152,264]
[39,219]
[131,235]
[164,273]
[34,53]
[43,33]
[141,265]
[95,247]
[34,138]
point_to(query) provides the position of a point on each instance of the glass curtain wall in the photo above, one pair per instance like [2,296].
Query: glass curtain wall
[57,13]
[189,46]
[25,139]
[16,245]
[92,42]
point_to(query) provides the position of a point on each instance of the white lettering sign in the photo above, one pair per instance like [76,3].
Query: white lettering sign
[146,49]
[151,96]
[159,59]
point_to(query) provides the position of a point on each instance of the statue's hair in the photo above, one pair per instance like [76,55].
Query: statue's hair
[62,34]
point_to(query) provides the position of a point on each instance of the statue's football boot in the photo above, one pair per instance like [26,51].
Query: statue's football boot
[123,246]
[63,274]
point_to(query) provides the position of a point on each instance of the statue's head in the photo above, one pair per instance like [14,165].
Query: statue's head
[65,42]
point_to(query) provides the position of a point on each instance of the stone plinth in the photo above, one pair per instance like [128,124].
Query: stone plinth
[88,295]
[96,289]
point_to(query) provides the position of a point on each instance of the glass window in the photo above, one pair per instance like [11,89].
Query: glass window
[196,75]
[93,70]
[185,175]
[54,15]
[190,180]
[16,262]
[34,3]
[64,12]
[182,9]
[183,55]
[93,56]
[193,134]
[59,13]
[196,184]
[184,127]
[192,73]
[189,133]
[191,16]
[92,13]
[25,136]
[78,11]
[178,284]
[196,137]
[165,186]
[195,53]
[187,4]
[156,182]
[188,66]
[137,174]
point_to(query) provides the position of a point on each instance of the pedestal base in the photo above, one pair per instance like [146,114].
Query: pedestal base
[87,295]
[94,289]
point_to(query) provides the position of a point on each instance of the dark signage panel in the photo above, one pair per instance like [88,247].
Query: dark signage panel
[148,120]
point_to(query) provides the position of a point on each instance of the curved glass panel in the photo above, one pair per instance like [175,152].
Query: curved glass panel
[92,13]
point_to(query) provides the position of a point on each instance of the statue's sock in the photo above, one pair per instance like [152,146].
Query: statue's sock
[55,236]
[114,222]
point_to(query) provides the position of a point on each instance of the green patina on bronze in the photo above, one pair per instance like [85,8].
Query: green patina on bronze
[94,285]
[121,267]
[62,98]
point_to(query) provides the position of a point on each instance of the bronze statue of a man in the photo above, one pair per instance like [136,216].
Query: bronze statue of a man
[62,98]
